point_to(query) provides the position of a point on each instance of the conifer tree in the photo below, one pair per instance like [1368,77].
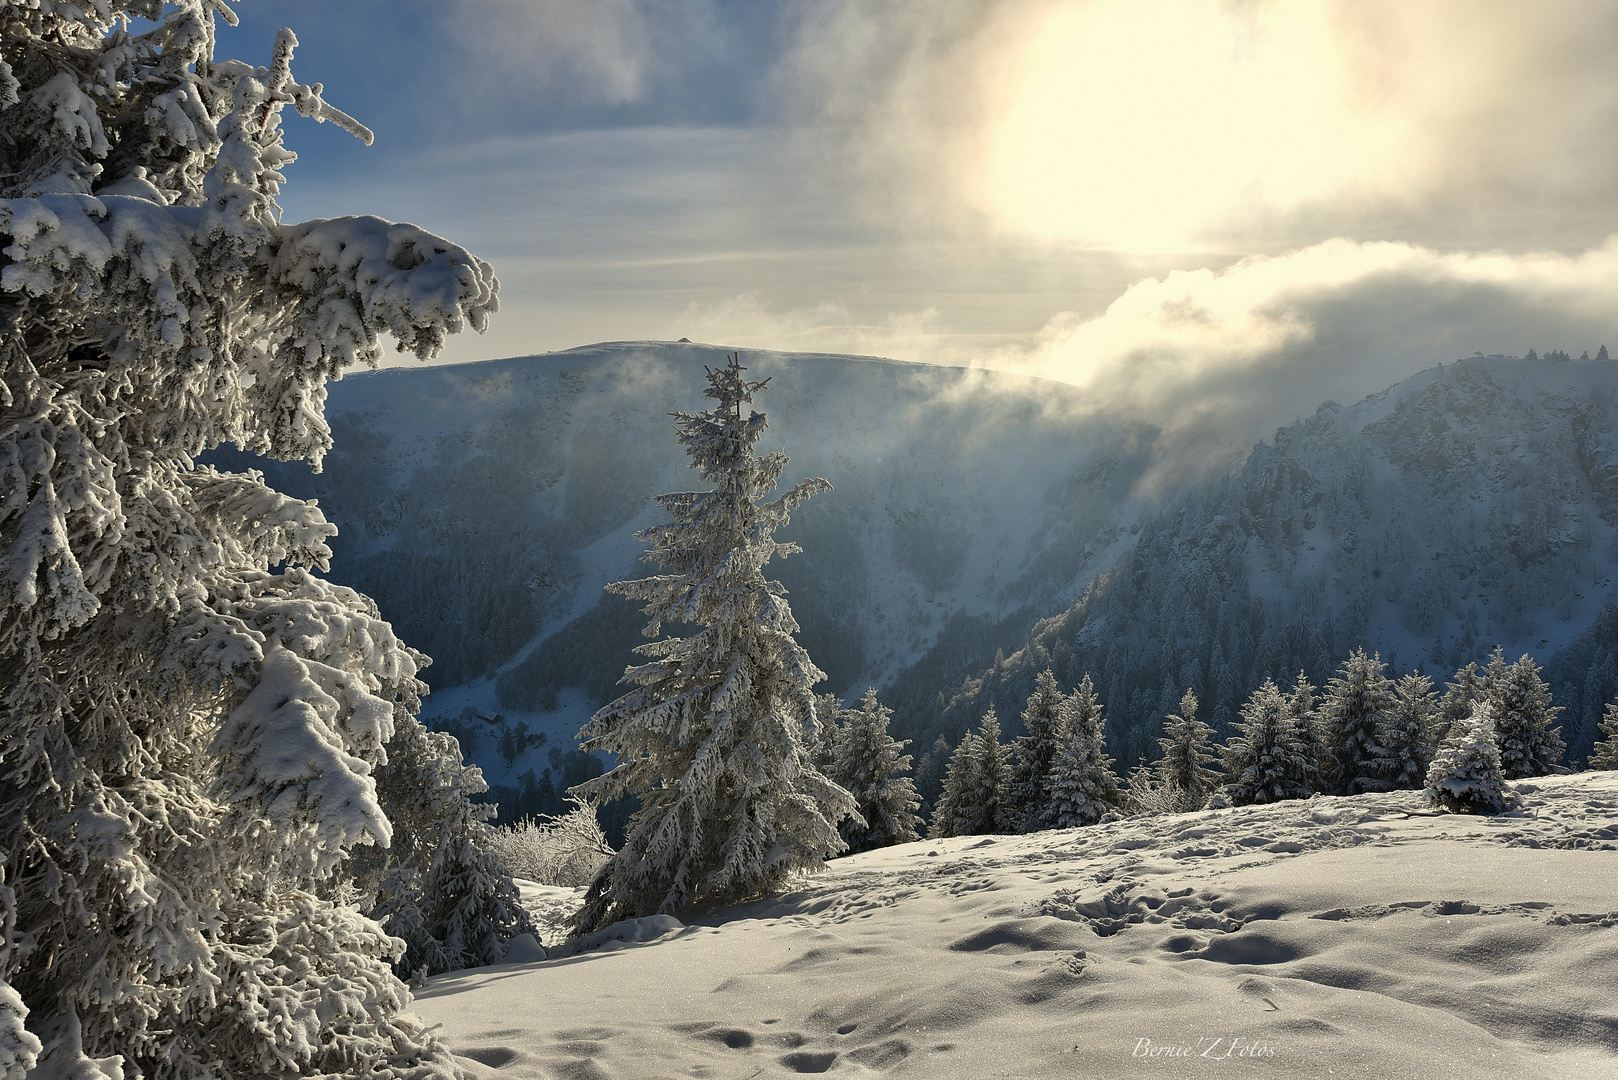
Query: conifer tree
[712,737]
[441,886]
[830,719]
[957,813]
[1354,716]
[930,774]
[1144,793]
[19,1047]
[1084,786]
[1028,786]
[1524,718]
[1409,727]
[993,772]
[1301,706]
[1604,754]
[191,718]
[1266,759]
[1461,694]
[1184,774]
[871,766]
[1465,777]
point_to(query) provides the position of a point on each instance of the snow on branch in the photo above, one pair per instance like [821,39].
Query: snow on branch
[361,276]
[283,752]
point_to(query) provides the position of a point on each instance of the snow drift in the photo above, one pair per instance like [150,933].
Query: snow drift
[1346,937]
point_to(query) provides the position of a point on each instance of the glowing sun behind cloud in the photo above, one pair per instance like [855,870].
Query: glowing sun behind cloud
[1140,124]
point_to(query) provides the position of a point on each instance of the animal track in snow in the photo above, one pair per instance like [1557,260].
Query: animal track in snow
[1443,909]
[1131,903]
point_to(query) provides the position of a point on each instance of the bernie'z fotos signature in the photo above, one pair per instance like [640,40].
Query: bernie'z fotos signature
[1210,1048]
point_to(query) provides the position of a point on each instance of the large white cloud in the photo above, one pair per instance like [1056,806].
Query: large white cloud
[1219,359]
[860,215]
[1253,126]
[1272,335]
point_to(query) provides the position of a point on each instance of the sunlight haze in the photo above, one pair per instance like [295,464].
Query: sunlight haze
[1192,209]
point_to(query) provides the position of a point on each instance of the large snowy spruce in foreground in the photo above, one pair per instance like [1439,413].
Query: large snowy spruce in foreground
[1357,937]
[193,721]
[511,491]
[714,737]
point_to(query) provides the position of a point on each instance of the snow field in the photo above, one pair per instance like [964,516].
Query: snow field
[1360,937]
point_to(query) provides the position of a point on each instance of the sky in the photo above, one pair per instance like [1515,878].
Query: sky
[1212,213]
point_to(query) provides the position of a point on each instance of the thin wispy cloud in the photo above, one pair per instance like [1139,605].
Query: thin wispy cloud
[599,50]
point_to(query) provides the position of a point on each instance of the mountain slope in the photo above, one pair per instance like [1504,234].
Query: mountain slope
[484,506]
[1470,505]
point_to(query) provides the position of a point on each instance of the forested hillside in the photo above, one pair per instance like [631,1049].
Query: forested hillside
[1471,505]
[484,505]
[981,527]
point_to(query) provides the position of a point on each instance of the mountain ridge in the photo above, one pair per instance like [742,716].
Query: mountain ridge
[1468,506]
[975,512]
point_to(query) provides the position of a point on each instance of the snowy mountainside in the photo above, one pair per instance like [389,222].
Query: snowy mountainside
[1474,504]
[484,505]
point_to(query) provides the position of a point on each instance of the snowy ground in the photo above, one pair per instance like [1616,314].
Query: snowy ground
[1354,938]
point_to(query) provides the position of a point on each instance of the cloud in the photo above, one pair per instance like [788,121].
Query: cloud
[1219,359]
[578,64]
[860,206]
[600,48]
[1228,356]
[1157,125]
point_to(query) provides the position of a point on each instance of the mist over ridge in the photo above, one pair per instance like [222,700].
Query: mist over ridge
[982,526]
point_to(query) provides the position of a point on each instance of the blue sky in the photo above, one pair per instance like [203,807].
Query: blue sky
[655,166]
[1084,189]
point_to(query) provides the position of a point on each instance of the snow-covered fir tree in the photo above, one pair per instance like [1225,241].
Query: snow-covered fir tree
[1461,694]
[1266,759]
[712,738]
[1144,793]
[957,813]
[871,766]
[19,1047]
[993,772]
[1301,699]
[930,775]
[1301,705]
[1353,717]
[1185,774]
[973,800]
[190,716]
[441,886]
[1524,719]
[1465,776]
[1084,785]
[1604,754]
[1408,731]
[829,721]
[1028,786]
